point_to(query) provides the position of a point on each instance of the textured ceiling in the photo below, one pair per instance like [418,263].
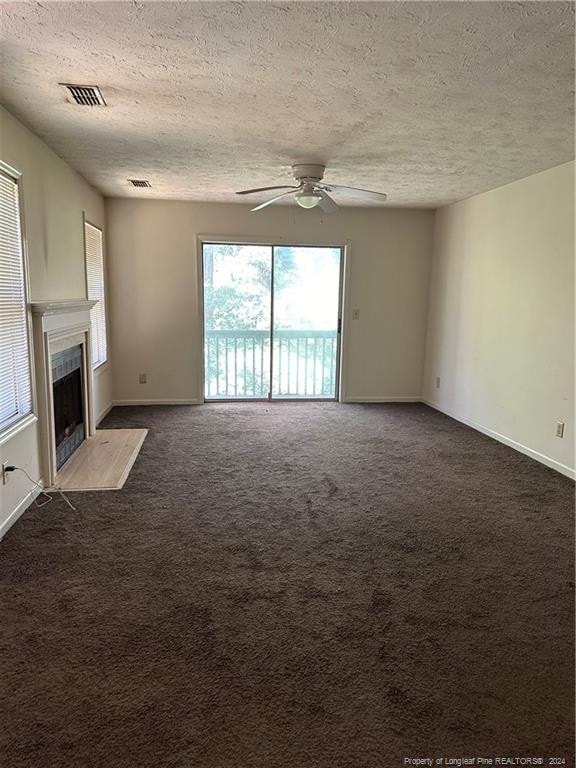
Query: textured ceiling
[428,101]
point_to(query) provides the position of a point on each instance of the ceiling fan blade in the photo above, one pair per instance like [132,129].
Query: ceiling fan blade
[263,189]
[366,193]
[326,203]
[269,202]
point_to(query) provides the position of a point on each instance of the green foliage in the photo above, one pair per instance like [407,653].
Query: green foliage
[227,308]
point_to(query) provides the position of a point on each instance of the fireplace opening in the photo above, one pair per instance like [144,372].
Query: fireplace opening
[69,429]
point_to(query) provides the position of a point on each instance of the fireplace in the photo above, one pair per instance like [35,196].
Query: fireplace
[62,354]
[68,399]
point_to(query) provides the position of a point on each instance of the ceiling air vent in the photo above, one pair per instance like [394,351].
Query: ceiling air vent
[139,183]
[85,95]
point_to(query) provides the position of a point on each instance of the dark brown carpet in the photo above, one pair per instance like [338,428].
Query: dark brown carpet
[293,586]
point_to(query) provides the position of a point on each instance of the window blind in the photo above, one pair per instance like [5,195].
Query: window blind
[15,380]
[95,287]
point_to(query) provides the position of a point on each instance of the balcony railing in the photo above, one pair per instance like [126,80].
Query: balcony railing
[237,364]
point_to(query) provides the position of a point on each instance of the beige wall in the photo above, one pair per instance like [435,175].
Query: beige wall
[54,199]
[501,320]
[153,272]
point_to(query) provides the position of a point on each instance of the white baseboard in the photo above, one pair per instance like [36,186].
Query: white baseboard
[104,413]
[166,401]
[391,399]
[19,511]
[541,457]
[158,402]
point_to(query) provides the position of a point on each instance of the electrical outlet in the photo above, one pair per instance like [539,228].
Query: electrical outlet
[437,382]
[559,429]
[143,378]
[355,314]
[5,475]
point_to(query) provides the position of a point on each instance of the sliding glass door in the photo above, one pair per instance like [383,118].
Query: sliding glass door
[237,311]
[271,321]
[306,291]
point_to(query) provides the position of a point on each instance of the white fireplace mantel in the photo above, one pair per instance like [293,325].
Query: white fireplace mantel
[41,308]
[58,325]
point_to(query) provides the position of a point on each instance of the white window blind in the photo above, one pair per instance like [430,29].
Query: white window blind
[15,381]
[95,281]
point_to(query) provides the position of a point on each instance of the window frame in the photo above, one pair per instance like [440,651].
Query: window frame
[101,366]
[22,421]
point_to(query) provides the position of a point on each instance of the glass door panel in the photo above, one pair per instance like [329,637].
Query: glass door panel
[306,306]
[237,310]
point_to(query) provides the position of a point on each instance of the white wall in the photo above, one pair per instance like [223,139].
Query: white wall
[501,318]
[156,323]
[55,197]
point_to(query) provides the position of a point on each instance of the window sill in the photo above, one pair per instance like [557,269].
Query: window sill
[17,427]
[102,368]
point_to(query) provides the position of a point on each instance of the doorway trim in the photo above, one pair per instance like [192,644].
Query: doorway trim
[345,249]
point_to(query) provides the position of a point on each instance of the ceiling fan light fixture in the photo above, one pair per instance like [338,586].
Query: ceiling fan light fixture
[310,191]
[307,199]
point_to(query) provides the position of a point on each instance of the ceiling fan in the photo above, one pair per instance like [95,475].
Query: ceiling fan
[311,191]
